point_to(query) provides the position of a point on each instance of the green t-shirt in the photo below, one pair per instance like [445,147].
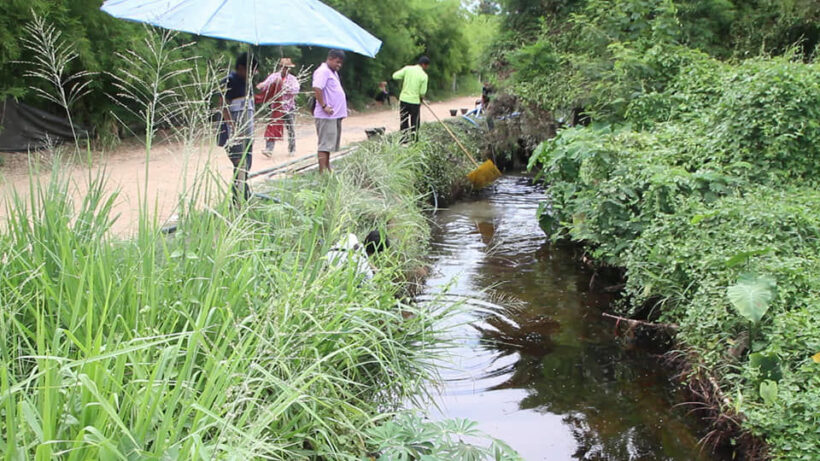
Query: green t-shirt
[414,85]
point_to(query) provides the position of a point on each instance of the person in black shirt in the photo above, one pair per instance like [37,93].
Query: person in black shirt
[237,106]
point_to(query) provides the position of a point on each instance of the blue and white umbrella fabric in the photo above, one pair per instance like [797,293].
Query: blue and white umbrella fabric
[258,22]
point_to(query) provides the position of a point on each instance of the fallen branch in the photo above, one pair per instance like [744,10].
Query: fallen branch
[632,323]
[719,393]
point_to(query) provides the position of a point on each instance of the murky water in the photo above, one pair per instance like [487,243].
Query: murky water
[536,365]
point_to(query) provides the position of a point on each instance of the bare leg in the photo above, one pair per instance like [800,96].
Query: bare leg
[290,124]
[324,161]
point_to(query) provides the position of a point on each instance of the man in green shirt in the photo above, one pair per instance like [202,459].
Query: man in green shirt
[413,89]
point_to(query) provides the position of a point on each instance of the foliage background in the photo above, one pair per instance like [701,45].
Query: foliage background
[698,171]
[597,55]
[452,35]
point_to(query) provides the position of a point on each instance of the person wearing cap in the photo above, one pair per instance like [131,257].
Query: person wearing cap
[280,90]
[413,90]
[330,108]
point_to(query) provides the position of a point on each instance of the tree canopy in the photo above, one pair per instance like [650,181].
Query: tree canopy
[598,54]
[408,29]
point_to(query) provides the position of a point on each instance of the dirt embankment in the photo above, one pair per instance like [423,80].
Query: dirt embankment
[172,168]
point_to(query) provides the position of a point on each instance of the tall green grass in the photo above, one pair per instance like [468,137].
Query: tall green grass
[230,339]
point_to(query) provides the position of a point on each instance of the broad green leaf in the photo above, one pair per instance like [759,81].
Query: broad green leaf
[700,217]
[751,296]
[768,392]
[744,256]
[768,364]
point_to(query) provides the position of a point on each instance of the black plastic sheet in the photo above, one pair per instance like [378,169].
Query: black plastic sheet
[24,128]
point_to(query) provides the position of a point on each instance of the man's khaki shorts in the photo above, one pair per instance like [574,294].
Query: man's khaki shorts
[330,134]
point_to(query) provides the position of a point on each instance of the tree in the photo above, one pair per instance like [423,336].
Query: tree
[488,7]
[408,29]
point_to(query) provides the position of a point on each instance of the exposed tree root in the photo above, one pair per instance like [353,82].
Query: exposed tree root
[710,404]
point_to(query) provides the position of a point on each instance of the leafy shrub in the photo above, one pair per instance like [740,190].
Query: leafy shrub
[607,184]
[716,183]
[685,261]
[768,115]
[410,437]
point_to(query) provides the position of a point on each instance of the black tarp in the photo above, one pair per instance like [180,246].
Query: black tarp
[24,128]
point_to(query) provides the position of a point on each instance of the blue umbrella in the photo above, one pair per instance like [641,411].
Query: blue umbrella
[259,22]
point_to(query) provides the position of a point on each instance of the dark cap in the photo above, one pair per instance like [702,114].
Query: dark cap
[336,54]
[424,60]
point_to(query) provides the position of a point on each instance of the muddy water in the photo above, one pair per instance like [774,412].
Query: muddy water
[535,364]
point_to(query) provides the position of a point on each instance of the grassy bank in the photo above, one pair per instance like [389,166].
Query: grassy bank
[232,339]
[707,196]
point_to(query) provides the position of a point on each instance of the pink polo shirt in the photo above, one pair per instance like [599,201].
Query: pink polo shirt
[328,81]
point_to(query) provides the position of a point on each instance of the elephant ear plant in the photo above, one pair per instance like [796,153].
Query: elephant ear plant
[751,296]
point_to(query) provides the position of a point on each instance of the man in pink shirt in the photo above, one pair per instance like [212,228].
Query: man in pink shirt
[331,106]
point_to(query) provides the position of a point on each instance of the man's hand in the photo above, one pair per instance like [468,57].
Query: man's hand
[328,110]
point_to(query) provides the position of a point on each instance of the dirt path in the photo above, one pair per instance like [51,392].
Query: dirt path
[173,167]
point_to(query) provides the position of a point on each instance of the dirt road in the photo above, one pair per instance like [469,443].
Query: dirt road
[172,168]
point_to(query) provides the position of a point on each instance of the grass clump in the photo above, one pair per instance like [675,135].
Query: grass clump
[232,339]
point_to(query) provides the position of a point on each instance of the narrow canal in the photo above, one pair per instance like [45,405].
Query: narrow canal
[535,364]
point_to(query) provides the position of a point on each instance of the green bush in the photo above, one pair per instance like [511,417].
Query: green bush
[608,184]
[682,264]
[600,55]
[712,186]
[768,115]
[698,178]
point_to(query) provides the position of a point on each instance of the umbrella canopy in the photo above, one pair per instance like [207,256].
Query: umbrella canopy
[259,22]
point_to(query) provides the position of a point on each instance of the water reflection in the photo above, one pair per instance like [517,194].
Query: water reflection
[537,366]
